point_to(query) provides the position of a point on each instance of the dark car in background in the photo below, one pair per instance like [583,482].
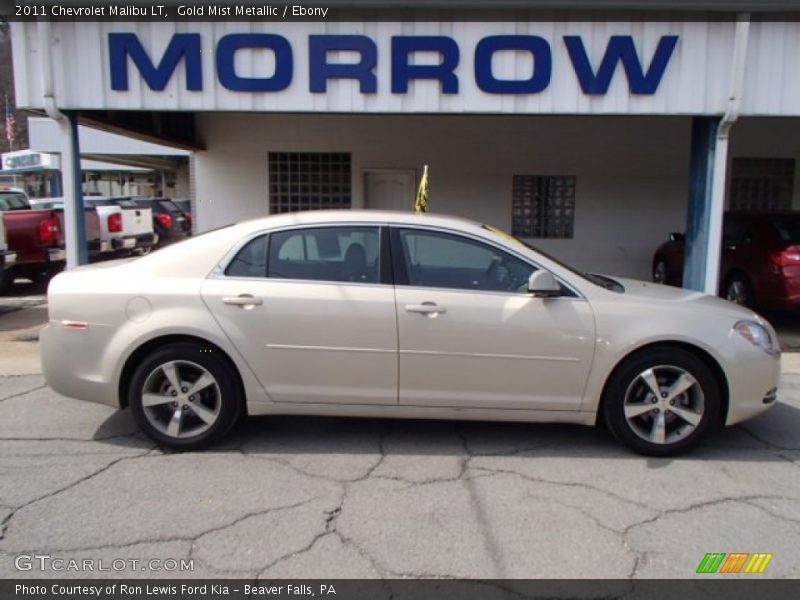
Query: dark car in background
[760,261]
[169,221]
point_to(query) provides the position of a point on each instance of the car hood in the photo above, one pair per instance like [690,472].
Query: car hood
[655,293]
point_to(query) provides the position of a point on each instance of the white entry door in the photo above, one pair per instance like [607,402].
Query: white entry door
[389,189]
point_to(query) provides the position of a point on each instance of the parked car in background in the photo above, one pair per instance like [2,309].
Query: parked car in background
[186,207]
[128,228]
[760,261]
[8,259]
[169,221]
[381,314]
[97,248]
[35,235]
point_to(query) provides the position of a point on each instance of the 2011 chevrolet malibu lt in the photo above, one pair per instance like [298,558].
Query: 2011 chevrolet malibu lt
[366,313]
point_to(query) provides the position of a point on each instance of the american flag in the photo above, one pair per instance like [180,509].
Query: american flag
[11,124]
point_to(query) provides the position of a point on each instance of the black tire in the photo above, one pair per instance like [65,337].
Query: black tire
[739,290]
[225,397]
[626,383]
[660,271]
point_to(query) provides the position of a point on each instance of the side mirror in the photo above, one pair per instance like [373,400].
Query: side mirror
[543,284]
[676,237]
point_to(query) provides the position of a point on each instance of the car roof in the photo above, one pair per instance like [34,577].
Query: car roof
[346,215]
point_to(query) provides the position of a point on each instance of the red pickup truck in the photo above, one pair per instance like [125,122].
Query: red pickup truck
[36,235]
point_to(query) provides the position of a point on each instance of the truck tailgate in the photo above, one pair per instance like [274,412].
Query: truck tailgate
[137,221]
[91,222]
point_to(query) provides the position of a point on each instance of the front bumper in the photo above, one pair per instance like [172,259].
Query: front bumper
[752,383]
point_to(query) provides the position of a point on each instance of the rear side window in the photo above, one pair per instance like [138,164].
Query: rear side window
[13,201]
[251,261]
[787,228]
[347,254]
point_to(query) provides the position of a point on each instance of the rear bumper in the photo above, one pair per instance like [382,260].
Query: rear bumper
[55,255]
[131,242]
[70,373]
[123,243]
[8,259]
[146,240]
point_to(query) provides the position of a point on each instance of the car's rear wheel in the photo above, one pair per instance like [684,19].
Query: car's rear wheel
[184,396]
[660,271]
[739,290]
[662,401]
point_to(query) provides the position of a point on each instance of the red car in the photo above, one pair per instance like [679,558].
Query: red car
[760,265]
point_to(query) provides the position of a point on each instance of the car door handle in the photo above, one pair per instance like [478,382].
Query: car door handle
[426,308]
[243,300]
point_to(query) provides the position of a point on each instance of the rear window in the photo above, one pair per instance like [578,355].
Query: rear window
[121,202]
[13,201]
[787,228]
[170,206]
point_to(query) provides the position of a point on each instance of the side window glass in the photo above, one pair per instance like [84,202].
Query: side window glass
[449,261]
[251,260]
[348,254]
[733,231]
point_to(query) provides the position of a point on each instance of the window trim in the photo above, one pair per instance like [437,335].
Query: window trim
[401,269]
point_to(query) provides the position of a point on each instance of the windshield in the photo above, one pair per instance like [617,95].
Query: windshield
[605,282]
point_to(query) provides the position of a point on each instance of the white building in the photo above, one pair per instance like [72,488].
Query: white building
[593,139]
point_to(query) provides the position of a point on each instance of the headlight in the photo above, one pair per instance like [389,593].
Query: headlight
[756,334]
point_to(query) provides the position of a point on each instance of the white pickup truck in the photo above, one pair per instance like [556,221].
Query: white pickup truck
[127,227]
[7,259]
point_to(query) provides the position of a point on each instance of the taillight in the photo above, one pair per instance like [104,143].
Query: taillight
[115,222]
[49,231]
[787,257]
[164,220]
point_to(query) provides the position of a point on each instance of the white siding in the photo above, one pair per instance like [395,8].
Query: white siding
[631,173]
[695,82]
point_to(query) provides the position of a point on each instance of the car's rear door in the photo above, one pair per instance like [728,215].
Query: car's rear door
[470,336]
[312,311]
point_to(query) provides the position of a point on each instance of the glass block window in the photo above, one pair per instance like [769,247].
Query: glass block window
[762,184]
[543,206]
[308,181]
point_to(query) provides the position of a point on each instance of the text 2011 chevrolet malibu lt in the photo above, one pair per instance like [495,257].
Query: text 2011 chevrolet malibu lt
[365,313]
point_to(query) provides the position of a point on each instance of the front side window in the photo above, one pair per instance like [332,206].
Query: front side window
[348,254]
[443,260]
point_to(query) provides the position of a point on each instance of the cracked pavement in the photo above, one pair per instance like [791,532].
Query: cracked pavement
[289,497]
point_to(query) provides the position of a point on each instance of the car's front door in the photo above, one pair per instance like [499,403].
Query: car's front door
[471,336]
[313,314]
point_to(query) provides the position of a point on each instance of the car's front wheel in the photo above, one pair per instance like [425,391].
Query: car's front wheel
[662,401]
[184,396]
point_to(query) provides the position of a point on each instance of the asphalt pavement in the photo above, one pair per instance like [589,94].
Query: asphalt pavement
[290,497]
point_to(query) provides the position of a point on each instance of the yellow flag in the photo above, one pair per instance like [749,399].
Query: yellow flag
[421,201]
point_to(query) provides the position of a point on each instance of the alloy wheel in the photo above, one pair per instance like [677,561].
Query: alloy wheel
[181,399]
[664,404]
